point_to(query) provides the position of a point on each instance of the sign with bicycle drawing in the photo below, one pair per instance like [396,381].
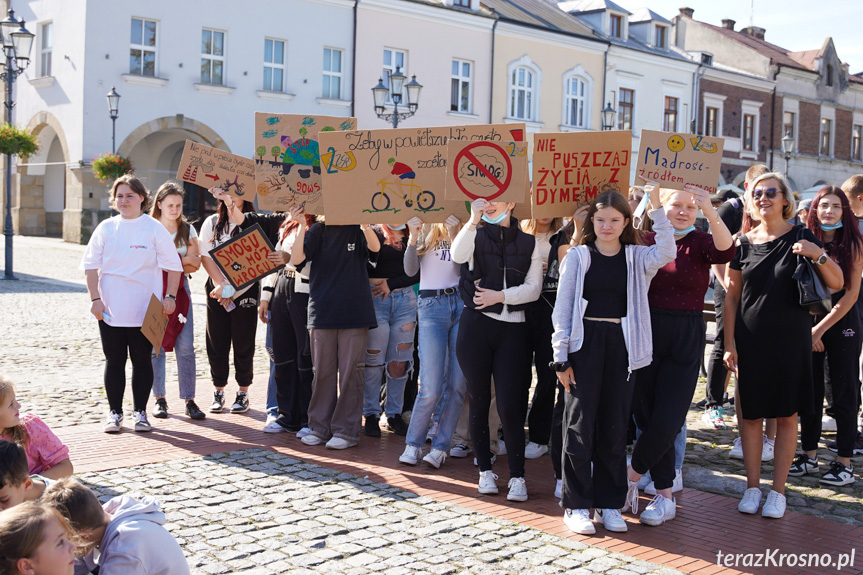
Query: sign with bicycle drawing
[495,171]
[288,159]
[389,176]
[207,167]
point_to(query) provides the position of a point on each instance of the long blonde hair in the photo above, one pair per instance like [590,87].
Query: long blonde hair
[18,434]
[529,226]
[22,531]
[431,236]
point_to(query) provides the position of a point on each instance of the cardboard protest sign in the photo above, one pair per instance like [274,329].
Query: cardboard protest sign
[495,171]
[674,160]
[208,167]
[288,159]
[243,259]
[389,176]
[155,324]
[571,169]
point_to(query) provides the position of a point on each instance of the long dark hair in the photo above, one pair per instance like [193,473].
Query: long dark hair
[223,223]
[172,189]
[847,243]
[614,200]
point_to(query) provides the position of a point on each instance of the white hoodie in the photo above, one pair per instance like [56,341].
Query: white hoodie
[135,542]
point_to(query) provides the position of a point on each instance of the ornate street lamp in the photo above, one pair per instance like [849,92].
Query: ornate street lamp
[113,107]
[608,117]
[787,149]
[396,91]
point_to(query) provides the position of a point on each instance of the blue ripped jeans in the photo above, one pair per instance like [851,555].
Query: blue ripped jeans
[184,349]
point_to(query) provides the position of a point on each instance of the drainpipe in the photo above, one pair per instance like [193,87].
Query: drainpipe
[491,80]
[696,88]
[604,81]
[354,65]
[773,116]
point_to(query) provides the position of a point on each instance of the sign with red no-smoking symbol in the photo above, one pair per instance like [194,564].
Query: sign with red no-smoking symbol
[495,171]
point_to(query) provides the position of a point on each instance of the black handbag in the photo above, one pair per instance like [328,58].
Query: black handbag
[814,296]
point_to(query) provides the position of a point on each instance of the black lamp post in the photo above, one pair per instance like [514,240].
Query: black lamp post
[608,117]
[394,90]
[787,149]
[17,42]
[113,107]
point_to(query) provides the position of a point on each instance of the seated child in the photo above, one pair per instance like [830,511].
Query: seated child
[123,537]
[35,540]
[46,454]
[16,486]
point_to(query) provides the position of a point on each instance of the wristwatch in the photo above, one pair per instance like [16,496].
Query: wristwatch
[559,365]
[173,297]
[821,260]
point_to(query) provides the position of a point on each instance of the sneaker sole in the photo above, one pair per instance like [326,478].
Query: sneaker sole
[219,410]
[586,531]
[511,497]
[239,410]
[407,461]
[140,429]
[433,462]
[459,454]
[160,414]
[487,491]
[837,483]
[615,530]
[271,430]
[111,430]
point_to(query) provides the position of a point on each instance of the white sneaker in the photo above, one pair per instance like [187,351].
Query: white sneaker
[631,497]
[659,510]
[828,423]
[611,519]
[578,521]
[113,422]
[303,432]
[644,481]
[273,427]
[774,508]
[558,489]
[141,423]
[432,431]
[460,450]
[534,450]
[737,448]
[475,464]
[676,486]
[767,450]
[312,440]
[435,458]
[411,456]
[751,501]
[339,442]
[517,489]
[487,483]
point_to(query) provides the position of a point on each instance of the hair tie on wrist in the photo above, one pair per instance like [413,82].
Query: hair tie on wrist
[97,299]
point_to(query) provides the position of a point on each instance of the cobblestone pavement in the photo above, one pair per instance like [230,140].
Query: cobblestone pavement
[54,356]
[258,512]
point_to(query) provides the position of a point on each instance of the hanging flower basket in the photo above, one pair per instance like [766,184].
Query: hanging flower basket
[111,166]
[17,141]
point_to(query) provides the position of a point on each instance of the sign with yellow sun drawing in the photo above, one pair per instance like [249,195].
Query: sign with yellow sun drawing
[674,160]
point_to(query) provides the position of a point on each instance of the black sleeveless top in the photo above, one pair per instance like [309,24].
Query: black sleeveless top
[605,284]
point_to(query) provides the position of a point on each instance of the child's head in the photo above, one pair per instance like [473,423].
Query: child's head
[78,504]
[10,417]
[853,188]
[14,477]
[35,540]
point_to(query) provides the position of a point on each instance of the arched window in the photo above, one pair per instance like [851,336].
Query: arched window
[522,94]
[576,102]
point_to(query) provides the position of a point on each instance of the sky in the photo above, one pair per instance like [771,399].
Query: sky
[795,25]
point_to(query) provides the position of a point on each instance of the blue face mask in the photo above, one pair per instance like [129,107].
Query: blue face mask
[498,219]
[684,232]
[396,228]
[827,228]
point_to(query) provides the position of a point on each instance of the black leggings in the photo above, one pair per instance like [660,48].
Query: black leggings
[118,343]
[489,348]
[539,421]
[716,370]
[663,391]
[841,347]
[291,354]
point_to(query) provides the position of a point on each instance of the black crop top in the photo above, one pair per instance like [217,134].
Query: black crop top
[605,284]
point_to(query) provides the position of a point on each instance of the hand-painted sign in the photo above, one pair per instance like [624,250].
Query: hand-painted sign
[674,160]
[155,323]
[495,171]
[243,259]
[389,176]
[288,159]
[208,167]
[571,169]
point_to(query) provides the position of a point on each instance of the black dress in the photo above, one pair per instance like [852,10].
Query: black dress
[773,332]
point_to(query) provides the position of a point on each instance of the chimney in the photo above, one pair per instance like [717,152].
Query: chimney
[754,31]
[687,12]
[728,24]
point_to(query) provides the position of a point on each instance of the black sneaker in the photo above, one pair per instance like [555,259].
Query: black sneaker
[397,425]
[193,411]
[803,465]
[241,405]
[373,427]
[701,404]
[838,475]
[218,401]
[160,410]
[858,446]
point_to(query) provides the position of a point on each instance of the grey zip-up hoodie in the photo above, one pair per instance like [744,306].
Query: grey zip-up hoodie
[642,263]
[136,542]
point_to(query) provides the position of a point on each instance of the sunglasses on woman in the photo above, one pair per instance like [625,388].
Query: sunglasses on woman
[769,193]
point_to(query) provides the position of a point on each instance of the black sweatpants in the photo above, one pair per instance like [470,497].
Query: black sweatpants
[595,419]
[663,391]
[486,347]
[841,347]
[292,355]
[540,328]
[118,343]
[557,431]
[235,328]
[716,370]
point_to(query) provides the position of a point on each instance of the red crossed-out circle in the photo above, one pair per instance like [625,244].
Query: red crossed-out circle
[467,153]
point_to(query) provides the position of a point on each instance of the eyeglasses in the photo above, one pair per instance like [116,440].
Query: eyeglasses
[769,194]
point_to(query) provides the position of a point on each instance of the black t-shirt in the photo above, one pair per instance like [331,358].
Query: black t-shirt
[731,213]
[605,284]
[339,293]
[389,263]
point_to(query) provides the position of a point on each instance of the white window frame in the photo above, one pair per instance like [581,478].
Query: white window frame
[536,90]
[462,79]
[214,58]
[46,53]
[656,28]
[827,114]
[332,74]
[710,100]
[580,74]
[274,66]
[144,47]
[390,68]
[751,108]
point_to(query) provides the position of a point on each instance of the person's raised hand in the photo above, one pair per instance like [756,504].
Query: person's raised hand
[414,224]
[477,207]
[651,188]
